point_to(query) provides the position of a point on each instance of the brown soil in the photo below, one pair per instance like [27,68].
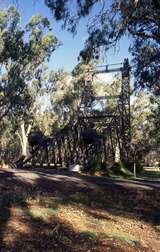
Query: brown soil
[60,211]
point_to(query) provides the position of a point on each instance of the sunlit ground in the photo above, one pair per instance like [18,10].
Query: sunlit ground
[36,219]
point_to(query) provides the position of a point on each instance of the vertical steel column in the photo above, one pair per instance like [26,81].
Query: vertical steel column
[125,112]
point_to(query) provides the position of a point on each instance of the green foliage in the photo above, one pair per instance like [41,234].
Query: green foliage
[123,237]
[138,19]
[25,81]
[93,166]
[80,198]
[125,169]
[141,125]
[23,51]
[9,145]
[154,121]
[62,97]
[121,169]
[88,235]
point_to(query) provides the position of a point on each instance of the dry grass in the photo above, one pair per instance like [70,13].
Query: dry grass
[89,223]
[34,220]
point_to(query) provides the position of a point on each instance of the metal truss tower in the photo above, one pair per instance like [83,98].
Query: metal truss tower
[111,130]
[120,119]
[125,112]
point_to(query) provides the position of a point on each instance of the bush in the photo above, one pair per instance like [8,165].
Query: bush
[130,166]
[95,165]
[124,169]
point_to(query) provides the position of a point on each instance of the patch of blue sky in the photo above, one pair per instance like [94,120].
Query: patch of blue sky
[66,55]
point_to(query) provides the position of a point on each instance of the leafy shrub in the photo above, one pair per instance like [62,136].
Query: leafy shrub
[120,169]
[130,166]
[95,165]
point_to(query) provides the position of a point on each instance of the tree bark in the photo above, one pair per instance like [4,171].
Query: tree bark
[23,136]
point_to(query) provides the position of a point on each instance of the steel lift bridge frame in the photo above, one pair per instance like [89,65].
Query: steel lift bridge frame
[116,129]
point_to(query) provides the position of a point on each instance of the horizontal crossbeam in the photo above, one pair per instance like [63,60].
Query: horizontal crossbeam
[105,97]
[97,116]
[106,70]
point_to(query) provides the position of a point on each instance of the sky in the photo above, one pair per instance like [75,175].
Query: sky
[66,55]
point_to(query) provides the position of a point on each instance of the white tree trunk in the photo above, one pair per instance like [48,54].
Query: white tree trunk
[24,140]
[117,154]
[23,136]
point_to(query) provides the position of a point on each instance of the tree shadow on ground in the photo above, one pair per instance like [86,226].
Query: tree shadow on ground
[5,204]
[57,234]
[51,235]
[115,198]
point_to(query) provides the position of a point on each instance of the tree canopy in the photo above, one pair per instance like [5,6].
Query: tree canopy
[140,20]
[22,53]
[25,79]
[107,22]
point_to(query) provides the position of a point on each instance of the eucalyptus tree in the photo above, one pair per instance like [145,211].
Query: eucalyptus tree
[61,96]
[108,21]
[154,119]
[23,51]
[141,124]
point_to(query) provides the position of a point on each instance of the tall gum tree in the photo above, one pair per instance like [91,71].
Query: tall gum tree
[23,50]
